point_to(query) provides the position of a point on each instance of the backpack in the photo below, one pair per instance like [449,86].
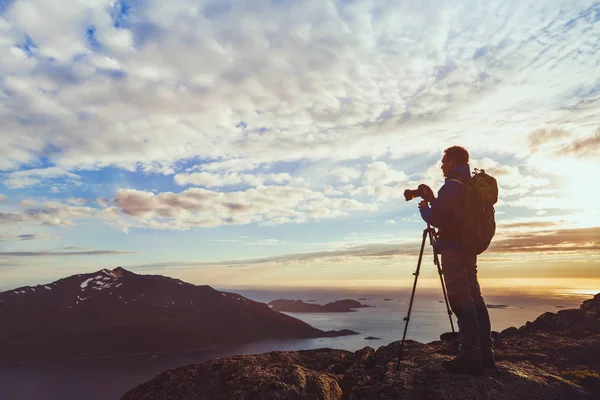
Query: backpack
[478,225]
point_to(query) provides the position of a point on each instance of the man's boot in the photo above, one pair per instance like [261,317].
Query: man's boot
[466,363]
[489,363]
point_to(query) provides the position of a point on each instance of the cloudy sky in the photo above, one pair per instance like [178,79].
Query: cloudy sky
[268,143]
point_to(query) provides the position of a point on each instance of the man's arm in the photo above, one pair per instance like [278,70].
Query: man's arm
[437,214]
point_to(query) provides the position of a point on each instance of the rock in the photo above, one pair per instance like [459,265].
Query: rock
[270,376]
[512,331]
[574,321]
[533,364]
[449,336]
[592,305]
[372,338]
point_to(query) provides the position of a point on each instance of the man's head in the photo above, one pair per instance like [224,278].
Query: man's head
[454,156]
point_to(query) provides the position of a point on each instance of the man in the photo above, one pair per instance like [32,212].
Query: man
[459,267]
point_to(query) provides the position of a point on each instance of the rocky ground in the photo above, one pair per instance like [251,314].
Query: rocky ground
[555,357]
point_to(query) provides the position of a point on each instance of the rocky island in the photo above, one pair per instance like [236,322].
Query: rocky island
[557,356]
[117,312]
[299,306]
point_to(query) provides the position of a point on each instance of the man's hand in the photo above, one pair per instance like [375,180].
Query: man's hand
[423,204]
[426,193]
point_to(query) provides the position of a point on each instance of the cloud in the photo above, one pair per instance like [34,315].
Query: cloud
[212,180]
[379,173]
[27,236]
[30,236]
[3,198]
[340,104]
[50,213]
[542,136]
[10,217]
[196,207]
[77,201]
[541,242]
[58,214]
[585,147]
[562,240]
[371,251]
[63,253]
[346,174]
[230,88]
[512,179]
[529,224]
[30,177]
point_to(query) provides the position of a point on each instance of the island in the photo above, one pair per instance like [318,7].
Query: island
[497,305]
[298,306]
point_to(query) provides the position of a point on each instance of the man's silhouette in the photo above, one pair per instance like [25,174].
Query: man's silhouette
[459,267]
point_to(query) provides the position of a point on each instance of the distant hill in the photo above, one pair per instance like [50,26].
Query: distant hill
[301,307]
[116,312]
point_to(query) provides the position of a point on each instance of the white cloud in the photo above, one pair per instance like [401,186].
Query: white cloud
[510,177]
[379,173]
[191,76]
[30,177]
[346,174]
[27,202]
[341,99]
[3,198]
[207,179]
[51,213]
[212,180]
[77,201]
[271,205]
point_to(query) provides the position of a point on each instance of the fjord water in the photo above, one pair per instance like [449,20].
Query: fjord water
[109,378]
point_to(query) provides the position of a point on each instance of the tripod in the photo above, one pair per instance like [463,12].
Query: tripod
[428,232]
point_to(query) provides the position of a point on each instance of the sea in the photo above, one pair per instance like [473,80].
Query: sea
[381,324]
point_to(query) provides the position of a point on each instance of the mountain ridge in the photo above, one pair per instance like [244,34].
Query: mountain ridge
[115,312]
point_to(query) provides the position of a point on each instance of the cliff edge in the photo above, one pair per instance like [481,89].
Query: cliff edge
[557,356]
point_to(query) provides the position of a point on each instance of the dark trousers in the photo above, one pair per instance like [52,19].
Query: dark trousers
[464,295]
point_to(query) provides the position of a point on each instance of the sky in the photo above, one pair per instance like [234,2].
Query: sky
[268,143]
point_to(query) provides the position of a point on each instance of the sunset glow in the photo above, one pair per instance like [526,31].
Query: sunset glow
[268,144]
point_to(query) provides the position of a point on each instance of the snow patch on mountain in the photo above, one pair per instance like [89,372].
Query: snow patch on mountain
[85,283]
[110,274]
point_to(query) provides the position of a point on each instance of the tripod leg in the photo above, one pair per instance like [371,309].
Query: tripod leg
[436,261]
[412,296]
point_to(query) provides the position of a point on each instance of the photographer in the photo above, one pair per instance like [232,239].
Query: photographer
[459,266]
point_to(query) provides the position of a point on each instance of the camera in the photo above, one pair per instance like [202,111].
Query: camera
[422,191]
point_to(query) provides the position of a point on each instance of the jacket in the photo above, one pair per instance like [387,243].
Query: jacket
[445,212]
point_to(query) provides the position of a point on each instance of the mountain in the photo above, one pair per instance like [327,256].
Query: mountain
[116,312]
[557,356]
[299,306]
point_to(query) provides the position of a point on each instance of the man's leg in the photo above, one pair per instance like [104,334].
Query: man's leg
[483,317]
[454,267]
